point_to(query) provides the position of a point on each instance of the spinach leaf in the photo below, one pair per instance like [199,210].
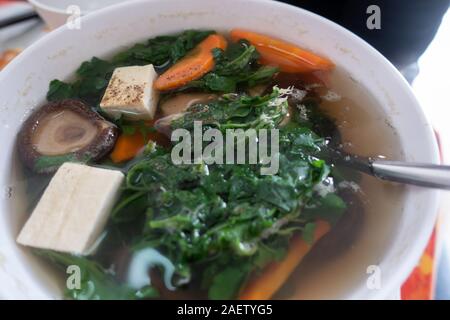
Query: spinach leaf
[308,115]
[96,283]
[235,67]
[215,82]
[308,232]
[95,68]
[51,163]
[227,283]
[330,207]
[59,90]
[162,51]
[234,111]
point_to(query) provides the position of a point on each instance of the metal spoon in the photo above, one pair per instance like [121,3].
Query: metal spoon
[420,174]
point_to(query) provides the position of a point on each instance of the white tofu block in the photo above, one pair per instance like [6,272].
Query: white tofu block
[73,210]
[130,93]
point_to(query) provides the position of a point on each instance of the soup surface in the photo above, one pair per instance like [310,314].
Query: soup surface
[223,221]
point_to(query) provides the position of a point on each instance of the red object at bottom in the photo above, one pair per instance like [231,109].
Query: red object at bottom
[420,284]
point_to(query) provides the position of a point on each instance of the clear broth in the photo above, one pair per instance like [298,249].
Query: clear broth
[338,263]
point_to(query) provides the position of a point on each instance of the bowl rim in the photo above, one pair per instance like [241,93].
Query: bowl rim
[400,273]
[53,9]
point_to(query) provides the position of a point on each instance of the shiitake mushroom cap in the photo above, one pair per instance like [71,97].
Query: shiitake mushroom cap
[43,157]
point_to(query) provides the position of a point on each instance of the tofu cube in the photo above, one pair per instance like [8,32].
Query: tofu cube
[73,210]
[130,93]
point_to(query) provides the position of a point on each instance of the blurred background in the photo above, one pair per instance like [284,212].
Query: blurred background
[413,34]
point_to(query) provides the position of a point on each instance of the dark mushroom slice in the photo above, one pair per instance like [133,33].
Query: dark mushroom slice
[175,107]
[258,90]
[63,131]
[181,102]
[164,125]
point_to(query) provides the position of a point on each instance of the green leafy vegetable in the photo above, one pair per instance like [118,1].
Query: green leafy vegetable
[131,127]
[96,283]
[227,283]
[330,207]
[214,217]
[235,67]
[162,51]
[59,90]
[234,111]
[51,163]
[308,115]
[308,232]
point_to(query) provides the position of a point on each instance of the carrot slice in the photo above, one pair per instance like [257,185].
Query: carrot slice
[7,56]
[263,286]
[128,145]
[193,66]
[286,56]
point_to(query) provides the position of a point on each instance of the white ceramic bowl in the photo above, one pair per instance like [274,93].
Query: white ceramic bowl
[24,83]
[56,12]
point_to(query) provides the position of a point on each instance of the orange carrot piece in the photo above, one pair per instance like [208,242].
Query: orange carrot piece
[266,284]
[288,57]
[193,66]
[7,56]
[127,146]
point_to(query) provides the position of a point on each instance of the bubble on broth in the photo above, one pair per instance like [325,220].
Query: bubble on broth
[331,96]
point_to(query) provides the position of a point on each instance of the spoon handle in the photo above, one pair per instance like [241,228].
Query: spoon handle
[426,175]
